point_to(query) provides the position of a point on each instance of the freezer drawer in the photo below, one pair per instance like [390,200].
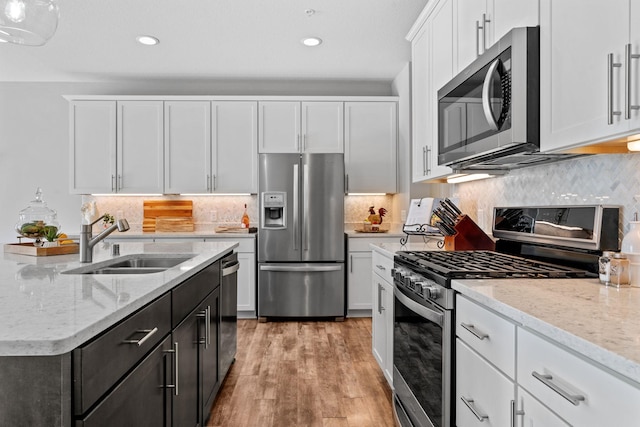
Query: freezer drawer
[301,290]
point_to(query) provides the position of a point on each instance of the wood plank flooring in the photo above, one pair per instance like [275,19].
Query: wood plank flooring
[304,373]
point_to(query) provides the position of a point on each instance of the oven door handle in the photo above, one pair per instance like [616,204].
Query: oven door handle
[421,310]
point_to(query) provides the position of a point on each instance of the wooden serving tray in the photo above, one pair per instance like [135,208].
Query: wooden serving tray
[29,249]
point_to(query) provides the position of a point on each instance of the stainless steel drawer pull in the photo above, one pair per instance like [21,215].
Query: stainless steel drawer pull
[473,330]
[174,351]
[547,380]
[381,267]
[474,411]
[148,333]
[610,66]
[515,413]
[628,106]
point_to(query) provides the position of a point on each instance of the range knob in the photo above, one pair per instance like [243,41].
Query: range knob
[430,291]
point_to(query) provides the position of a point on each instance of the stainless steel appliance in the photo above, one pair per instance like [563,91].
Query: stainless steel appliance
[301,236]
[228,328]
[489,114]
[423,354]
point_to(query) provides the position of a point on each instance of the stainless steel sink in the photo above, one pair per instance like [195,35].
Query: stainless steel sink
[133,264]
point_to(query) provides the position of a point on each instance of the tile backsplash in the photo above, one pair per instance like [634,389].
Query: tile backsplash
[610,179]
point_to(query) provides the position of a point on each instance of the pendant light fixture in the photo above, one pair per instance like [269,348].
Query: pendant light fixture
[28,22]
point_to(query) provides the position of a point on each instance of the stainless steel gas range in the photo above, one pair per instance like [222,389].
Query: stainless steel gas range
[536,243]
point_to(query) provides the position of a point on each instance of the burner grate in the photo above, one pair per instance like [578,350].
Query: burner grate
[485,264]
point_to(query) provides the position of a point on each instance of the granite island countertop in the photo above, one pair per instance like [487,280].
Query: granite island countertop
[601,323]
[44,311]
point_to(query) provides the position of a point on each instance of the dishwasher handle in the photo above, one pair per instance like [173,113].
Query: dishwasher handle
[229,268]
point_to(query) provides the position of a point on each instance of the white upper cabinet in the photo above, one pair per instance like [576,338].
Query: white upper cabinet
[140,148]
[234,146]
[370,147]
[92,137]
[482,23]
[187,130]
[307,127]
[582,72]
[116,147]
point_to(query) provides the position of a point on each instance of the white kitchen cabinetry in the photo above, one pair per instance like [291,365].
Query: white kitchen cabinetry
[359,297]
[485,360]
[382,314]
[573,388]
[187,147]
[482,23]
[371,134]
[116,147]
[432,53]
[234,147]
[307,127]
[582,91]
[534,413]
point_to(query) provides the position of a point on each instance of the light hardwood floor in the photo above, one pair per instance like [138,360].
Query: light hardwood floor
[304,374]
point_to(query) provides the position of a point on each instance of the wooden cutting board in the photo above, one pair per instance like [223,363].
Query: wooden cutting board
[153,209]
[169,224]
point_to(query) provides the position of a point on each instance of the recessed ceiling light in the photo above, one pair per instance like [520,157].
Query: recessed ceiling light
[311,41]
[147,40]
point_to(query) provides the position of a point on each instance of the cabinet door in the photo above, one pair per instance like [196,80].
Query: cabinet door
[573,76]
[473,32]
[534,413]
[279,127]
[247,284]
[235,146]
[359,281]
[187,129]
[141,399]
[508,14]
[483,394]
[371,147]
[378,330]
[322,127]
[634,76]
[208,357]
[140,149]
[185,401]
[92,135]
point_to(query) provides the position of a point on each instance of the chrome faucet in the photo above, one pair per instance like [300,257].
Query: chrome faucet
[87,242]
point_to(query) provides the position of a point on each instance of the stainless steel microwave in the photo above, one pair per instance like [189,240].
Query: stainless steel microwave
[489,114]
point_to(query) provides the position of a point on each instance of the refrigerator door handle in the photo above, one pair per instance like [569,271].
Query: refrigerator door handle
[296,225]
[306,195]
[312,269]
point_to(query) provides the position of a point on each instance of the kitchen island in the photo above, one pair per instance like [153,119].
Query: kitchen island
[54,322]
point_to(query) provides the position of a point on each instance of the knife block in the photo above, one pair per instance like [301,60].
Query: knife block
[468,237]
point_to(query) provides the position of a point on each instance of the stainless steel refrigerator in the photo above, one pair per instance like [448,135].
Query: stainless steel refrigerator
[301,236]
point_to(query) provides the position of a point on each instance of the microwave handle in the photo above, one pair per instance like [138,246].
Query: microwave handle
[486,96]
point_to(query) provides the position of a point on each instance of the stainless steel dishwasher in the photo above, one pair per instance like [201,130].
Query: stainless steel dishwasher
[228,313]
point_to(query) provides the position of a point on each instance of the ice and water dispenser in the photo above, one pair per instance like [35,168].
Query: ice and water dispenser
[274,209]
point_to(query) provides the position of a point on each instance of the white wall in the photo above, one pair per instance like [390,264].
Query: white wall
[34,133]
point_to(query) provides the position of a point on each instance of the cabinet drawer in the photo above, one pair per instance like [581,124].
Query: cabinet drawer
[535,414]
[193,290]
[481,391]
[489,334]
[363,244]
[577,390]
[99,364]
[382,265]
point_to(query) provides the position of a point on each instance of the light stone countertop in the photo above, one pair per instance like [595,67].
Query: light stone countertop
[133,235]
[599,322]
[389,249]
[46,312]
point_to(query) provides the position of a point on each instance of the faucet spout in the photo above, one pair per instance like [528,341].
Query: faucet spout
[87,241]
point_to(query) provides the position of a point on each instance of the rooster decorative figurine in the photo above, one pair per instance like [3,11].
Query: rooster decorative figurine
[374,218]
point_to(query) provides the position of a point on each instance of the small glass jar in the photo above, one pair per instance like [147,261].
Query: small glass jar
[619,271]
[604,266]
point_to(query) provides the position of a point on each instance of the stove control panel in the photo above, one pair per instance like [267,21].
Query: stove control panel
[427,289]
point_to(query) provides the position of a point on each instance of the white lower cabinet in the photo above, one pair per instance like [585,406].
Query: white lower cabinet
[534,413]
[247,285]
[483,393]
[382,314]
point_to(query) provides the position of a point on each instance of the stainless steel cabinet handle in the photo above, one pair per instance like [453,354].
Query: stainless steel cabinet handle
[346,183]
[627,81]
[148,333]
[478,29]
[380,267]
[174,351]
[304,143]
[230,268]
[469,327]
[119,183]
[515,412]
[350,263]
[427,163]
[208,182]
[380,307]
[547,380]
[298,142]
[474,411]
[610,66]
[113,183]
[206,315]
[424,160]
[485,21]
[213,185]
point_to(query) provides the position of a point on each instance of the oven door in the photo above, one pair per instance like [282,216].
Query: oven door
[422,362]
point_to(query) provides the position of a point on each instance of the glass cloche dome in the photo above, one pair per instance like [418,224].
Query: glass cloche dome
[37,220]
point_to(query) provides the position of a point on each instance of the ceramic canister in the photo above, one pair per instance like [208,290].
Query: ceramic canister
[631,247]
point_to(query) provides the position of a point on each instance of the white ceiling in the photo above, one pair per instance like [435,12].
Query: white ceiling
[219,39]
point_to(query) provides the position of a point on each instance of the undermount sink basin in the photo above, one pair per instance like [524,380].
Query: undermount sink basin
[133,264]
